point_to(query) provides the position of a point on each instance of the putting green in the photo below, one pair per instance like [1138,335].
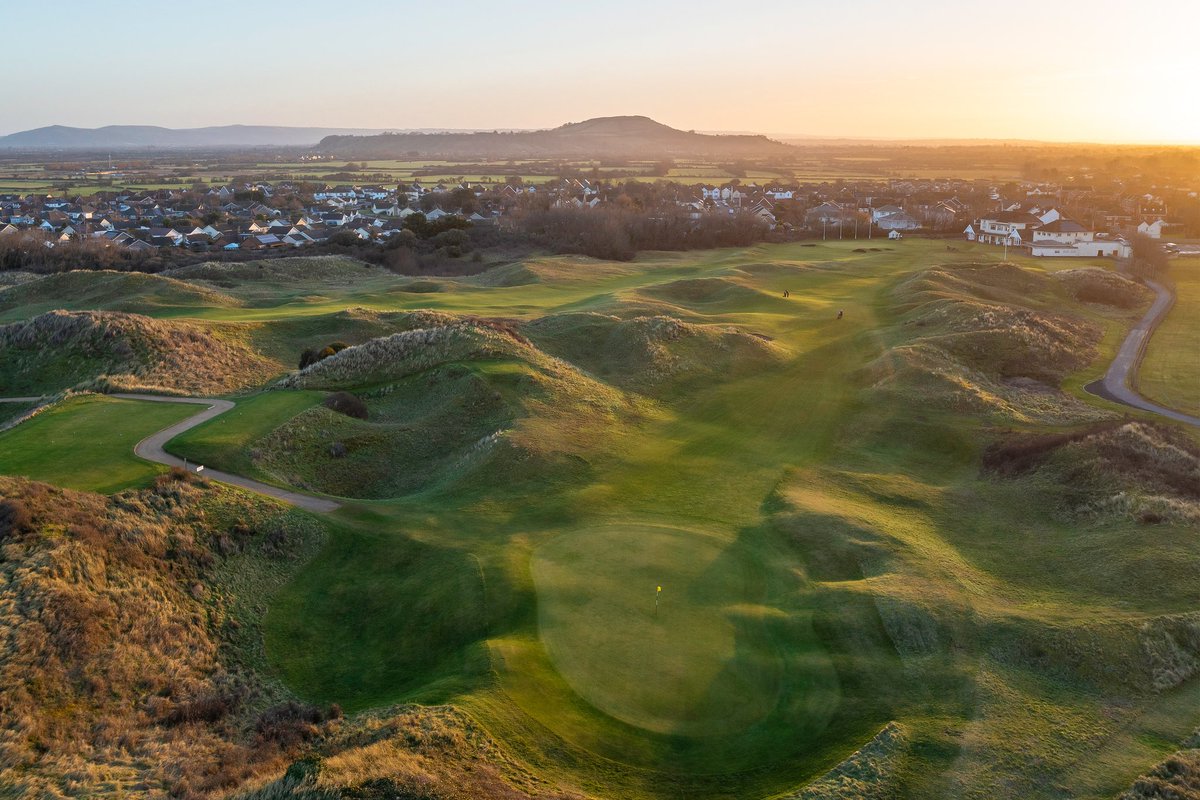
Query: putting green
[694,667]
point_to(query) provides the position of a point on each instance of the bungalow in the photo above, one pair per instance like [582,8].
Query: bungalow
[900,221]
[1063,230]
[885,211]
[827,213]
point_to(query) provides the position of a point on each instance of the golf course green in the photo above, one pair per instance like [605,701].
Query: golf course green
[548,443]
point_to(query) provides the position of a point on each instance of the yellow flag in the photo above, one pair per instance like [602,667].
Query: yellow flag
[660,588]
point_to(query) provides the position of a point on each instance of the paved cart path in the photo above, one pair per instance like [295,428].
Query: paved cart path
[151,449]
[1116,384]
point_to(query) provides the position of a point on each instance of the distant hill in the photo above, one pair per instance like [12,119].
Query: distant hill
[125,137]
[612,137]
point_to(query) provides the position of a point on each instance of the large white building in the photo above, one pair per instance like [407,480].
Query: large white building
[1059,238]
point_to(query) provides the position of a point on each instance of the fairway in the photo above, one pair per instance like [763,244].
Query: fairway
[690,667]
[220,442]
[87,443]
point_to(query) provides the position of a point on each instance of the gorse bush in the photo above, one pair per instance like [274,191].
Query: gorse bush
[313,355]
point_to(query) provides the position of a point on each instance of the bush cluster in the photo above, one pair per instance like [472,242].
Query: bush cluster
[348,404]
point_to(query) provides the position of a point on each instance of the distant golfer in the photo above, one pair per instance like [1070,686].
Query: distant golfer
[786,293]
[841,312]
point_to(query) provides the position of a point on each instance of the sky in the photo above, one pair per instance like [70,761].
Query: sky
[1058,70]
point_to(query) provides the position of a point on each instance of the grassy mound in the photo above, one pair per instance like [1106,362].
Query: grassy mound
[872,773]
[704,292]
[434,339]
[108,291]
[328,269]
[285,339]
[551,270]
[104,349]
[444,402]
[974,344]
[434,753]
[1175,778]
[645,353]
[1135,470]
[130,631]
[1103,287]
[16,277]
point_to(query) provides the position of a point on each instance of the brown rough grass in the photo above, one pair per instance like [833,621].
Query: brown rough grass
[111,350]
[115,673]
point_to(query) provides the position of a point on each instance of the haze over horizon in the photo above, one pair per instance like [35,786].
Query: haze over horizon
[924,70]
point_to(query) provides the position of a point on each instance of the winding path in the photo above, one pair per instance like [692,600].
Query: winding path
[1116,384]
[152,449]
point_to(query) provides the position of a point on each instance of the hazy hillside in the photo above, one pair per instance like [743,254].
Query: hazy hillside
[62,137]
[613,137]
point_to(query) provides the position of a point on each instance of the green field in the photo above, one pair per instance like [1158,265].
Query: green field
[1170,371]
[807,490]
[221,442]
[87,443]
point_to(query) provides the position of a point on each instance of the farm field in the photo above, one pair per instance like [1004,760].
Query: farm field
[549,442]
[1170,371]
[168,173]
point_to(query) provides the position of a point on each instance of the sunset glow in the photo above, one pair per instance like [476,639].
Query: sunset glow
[1074,70]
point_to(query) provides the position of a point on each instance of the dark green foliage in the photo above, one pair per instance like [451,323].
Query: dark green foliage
[312,355]
[348,404]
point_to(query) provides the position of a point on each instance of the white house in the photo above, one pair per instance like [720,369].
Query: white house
[1066,238]
[1152,229]
[1099,248]
[1005,227]
[1049,216]
[1063,230]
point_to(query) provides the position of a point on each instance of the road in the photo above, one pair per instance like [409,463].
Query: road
[1116,384]
[151,449]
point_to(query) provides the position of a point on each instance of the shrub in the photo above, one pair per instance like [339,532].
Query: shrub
[348,404]
[289,724]
[211,707]
[15,519]
[311,355]
[308,357]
